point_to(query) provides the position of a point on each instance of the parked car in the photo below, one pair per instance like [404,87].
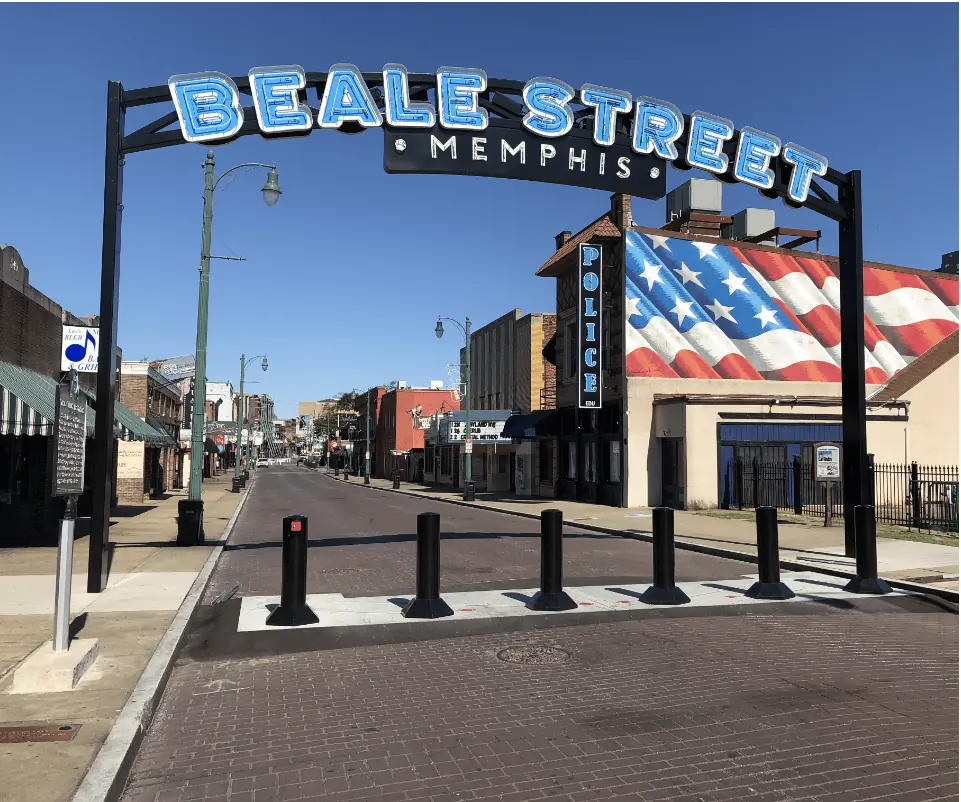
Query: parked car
[263,462]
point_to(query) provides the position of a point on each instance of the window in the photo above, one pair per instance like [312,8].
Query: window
[606,337]
[497,401]
[546,459]
[571,459]
[570,344]
[484,462]
[614,466]
[445,460]
[502,463]
[590,461]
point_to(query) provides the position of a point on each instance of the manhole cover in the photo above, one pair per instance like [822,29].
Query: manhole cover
[38,732]
[533,655]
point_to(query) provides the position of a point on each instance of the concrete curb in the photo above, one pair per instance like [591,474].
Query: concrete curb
[940,594]
[107,775]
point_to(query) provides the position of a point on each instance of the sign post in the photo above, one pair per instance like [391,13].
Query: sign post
[70,428]
[827,472]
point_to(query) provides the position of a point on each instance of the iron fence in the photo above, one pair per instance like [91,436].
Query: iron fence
[915,496]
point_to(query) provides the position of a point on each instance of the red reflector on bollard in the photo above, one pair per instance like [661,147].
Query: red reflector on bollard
[295,526]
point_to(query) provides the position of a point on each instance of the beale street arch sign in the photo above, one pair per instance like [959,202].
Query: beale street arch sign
[457,121]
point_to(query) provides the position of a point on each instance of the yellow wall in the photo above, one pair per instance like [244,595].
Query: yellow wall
[933,432]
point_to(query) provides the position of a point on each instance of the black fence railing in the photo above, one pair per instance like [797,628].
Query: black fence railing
[915,496]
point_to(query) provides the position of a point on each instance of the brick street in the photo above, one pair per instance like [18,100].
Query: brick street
[804,701]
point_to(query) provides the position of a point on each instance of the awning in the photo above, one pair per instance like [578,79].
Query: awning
[542,423]
[129,426]
[27,401]
[161,428]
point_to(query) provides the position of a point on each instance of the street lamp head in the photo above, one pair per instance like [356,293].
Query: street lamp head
[263,364]
[271,190]
[439,329]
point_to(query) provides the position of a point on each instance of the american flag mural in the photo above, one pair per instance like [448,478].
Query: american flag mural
[708,310]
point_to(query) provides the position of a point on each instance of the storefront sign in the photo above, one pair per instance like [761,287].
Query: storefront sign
[590,259]
[130,459]
[610,141]
[486,431]
[70,428]
[79,348]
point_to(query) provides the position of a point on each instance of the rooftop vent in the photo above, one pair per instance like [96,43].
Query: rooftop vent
[695,196]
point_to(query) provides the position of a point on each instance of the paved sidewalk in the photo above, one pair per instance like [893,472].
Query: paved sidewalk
[809,543]
[149,578]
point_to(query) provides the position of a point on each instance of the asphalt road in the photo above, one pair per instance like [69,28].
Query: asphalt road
[806,701]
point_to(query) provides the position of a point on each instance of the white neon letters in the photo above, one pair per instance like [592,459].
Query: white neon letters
[208,107]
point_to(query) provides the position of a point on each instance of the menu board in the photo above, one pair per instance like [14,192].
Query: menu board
[70,429]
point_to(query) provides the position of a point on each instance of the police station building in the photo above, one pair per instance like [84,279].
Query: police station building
[716,344]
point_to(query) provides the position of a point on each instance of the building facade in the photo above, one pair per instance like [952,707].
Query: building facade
[149,469]
[508,368]
[718,350]
[403,415]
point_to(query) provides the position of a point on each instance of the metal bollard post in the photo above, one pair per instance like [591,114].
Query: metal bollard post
[293,610]
[397,480]
[61,617]
[551,597]
[769,584]
[346,474]
[428,603]
[865,536]
[664,591]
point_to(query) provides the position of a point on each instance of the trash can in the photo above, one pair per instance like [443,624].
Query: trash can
[190,527]
[235,484]
[468,491]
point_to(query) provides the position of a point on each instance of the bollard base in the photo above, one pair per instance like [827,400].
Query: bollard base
[295,616]
[656,595]
[426,608]
[551,602]
[861,584]
[769,590]
[366,478]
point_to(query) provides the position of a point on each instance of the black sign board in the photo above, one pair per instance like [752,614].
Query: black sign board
[590,259]
[506,150]
[70,438]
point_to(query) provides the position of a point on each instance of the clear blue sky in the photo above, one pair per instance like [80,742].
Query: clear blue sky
[346,275]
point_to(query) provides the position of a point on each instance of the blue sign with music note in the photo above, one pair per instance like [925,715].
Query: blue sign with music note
[79,349]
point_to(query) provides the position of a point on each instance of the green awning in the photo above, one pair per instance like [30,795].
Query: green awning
[157,424]
[28,402]
[132,426]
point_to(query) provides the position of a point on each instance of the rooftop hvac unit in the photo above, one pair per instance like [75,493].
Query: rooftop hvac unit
[436,384]
[752,223]
[697,195]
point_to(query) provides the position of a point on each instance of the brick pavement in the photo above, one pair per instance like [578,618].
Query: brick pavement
[852,702]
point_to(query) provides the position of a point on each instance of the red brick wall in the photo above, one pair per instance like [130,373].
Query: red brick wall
[30,333]
[395,430]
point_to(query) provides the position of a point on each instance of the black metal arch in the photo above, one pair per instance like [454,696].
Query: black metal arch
[503,99]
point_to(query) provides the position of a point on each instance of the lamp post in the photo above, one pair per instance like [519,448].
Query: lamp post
[468,441]
[190,526]
[367,443]
[240,416]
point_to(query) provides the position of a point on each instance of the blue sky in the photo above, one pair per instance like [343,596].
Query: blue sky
[345,276]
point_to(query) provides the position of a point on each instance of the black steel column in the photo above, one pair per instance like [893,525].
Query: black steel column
[769,584]
[867,580]
[664,591]
[551,597]
[853,411]
[293,610]
[101,453]
[428,603]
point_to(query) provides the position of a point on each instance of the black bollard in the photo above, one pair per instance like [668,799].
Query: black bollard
[664,591]
[346,474]
[551,597]
[428,603]
[469,491]
[396,480]
[769,584]
[293,610]
[865,538]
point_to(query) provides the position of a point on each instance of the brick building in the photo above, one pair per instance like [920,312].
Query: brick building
[400,430]
[31,327]
[149,468]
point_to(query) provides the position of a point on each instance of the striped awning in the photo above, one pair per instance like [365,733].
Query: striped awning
[26,401]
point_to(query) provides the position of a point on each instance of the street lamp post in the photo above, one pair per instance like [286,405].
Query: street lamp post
[190,521]
[468,440]
[367,443]
[240,416]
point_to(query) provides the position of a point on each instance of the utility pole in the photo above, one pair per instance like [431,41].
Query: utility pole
[367,446]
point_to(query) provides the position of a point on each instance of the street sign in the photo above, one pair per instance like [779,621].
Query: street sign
[70,430]
[79,348]
[468,446]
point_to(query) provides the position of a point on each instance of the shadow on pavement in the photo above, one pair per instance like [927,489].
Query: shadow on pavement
[381,539]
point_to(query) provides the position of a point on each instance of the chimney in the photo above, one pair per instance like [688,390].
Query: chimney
[621,211]
[560,239]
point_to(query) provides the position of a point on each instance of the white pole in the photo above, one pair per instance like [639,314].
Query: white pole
[61,619]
